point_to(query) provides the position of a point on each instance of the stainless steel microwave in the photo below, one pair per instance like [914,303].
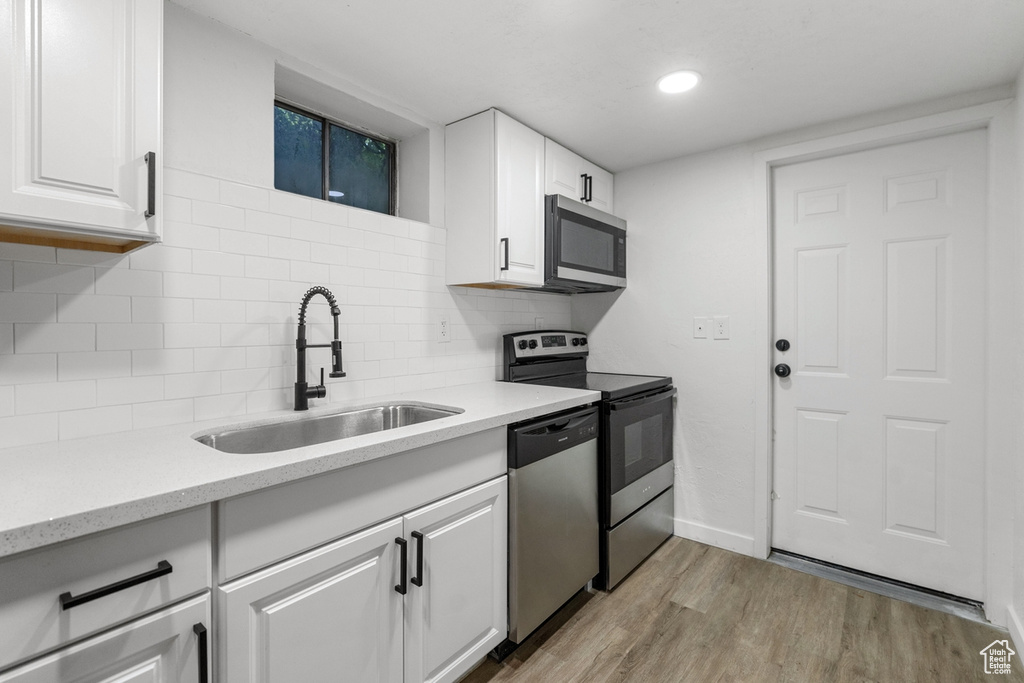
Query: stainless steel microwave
[585,249]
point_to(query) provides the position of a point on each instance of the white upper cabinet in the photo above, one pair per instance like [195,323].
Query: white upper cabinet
[81,143]
[570,175]
[494,202]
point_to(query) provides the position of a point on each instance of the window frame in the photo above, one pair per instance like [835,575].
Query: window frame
[326,123]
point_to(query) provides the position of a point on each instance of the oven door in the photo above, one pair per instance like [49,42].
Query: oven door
[638,452]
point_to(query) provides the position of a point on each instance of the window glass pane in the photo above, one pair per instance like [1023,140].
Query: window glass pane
[298,153]
[360,170]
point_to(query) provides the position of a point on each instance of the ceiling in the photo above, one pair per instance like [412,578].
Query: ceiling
[583,71]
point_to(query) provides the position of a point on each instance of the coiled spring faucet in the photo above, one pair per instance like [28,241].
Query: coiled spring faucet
[304,392]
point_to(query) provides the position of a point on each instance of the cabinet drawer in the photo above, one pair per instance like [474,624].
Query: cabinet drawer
[32,618]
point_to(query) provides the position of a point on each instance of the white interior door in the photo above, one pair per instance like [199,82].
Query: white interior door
[879,271]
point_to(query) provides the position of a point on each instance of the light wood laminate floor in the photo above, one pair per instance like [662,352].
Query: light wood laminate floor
[697,613]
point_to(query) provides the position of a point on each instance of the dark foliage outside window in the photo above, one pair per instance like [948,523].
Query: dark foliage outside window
[318,158]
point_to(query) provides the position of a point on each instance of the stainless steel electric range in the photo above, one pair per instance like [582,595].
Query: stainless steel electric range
[635,471]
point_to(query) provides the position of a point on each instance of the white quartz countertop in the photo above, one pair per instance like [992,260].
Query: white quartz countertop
[65,489]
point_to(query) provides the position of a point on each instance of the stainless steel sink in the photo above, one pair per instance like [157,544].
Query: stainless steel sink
[314,429]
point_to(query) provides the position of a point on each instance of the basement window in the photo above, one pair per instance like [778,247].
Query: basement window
[317,157]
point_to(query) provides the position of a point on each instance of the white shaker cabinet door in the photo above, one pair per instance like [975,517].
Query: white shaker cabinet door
[330,614]
[456,608]
[82,124]
[171,646]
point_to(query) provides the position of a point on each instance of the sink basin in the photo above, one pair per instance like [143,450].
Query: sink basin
[284,435]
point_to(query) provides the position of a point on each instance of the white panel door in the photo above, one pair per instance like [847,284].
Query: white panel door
[329,614]
[457,606]
[161,648]
[82,88]
[879,287]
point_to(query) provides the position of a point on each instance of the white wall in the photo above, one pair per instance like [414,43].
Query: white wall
[204,325]
[694,251]
[1016,616]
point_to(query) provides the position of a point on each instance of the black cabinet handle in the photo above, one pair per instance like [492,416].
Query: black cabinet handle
[590,188]
[418,579]
[150,184]
[204,670]
[67,601]
[583,177]
[402,586]
[504,242]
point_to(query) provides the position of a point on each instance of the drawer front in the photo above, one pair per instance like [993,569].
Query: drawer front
[32,617]
[260,528]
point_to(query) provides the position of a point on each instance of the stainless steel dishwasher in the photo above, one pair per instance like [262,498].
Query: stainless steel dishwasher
[554,537]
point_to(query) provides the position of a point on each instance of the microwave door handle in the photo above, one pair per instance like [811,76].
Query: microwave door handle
[626,405]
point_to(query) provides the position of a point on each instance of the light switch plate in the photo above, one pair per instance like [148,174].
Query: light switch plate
[700,328]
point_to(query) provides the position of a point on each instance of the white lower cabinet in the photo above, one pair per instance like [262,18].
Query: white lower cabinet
[169,646]
[352,610]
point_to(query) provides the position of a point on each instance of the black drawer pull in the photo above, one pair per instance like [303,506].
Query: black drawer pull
[418,579]
[204,669]
[150,184]
[403,585]
[67,601]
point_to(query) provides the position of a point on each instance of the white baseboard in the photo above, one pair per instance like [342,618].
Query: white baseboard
[720,538]
[1016,627]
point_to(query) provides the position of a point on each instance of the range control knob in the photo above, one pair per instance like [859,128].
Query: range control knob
[583,341]
[522,343]
[533,343]
[575,341]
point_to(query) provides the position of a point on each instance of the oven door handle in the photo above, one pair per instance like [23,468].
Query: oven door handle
[633,403]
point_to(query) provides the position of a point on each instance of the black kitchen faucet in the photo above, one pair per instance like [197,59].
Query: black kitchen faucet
[304,392]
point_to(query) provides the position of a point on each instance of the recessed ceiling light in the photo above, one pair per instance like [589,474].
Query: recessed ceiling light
[679,81]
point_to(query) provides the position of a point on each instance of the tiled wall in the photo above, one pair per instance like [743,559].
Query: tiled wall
[203,326]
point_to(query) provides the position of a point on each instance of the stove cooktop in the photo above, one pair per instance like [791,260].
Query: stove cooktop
[612,386]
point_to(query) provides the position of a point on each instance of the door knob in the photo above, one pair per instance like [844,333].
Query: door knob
[782,345]
[782,370]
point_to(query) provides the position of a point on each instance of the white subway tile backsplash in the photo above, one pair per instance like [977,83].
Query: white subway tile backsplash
[54,337]
[162,362]
[11,251]
[22,430]
[147,309]
[244,196]
[160,413]
[76,424]
[28,307]
[99,308]
[220,358]
[54,397]
[93,365]
[128,282]
[203,326]
[218,263]
[128,390]
[52,278]
[191,335]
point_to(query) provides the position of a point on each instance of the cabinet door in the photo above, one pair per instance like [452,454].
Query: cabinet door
[459,613]
[601,186]
[519,199]
[162,648]
[329,614]
[562,171]
[82,86]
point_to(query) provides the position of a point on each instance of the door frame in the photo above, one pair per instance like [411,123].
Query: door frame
[999,328]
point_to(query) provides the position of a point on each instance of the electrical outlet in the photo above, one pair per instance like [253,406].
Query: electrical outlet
[721,326]
[444,329]
[700,328]
[538,323]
